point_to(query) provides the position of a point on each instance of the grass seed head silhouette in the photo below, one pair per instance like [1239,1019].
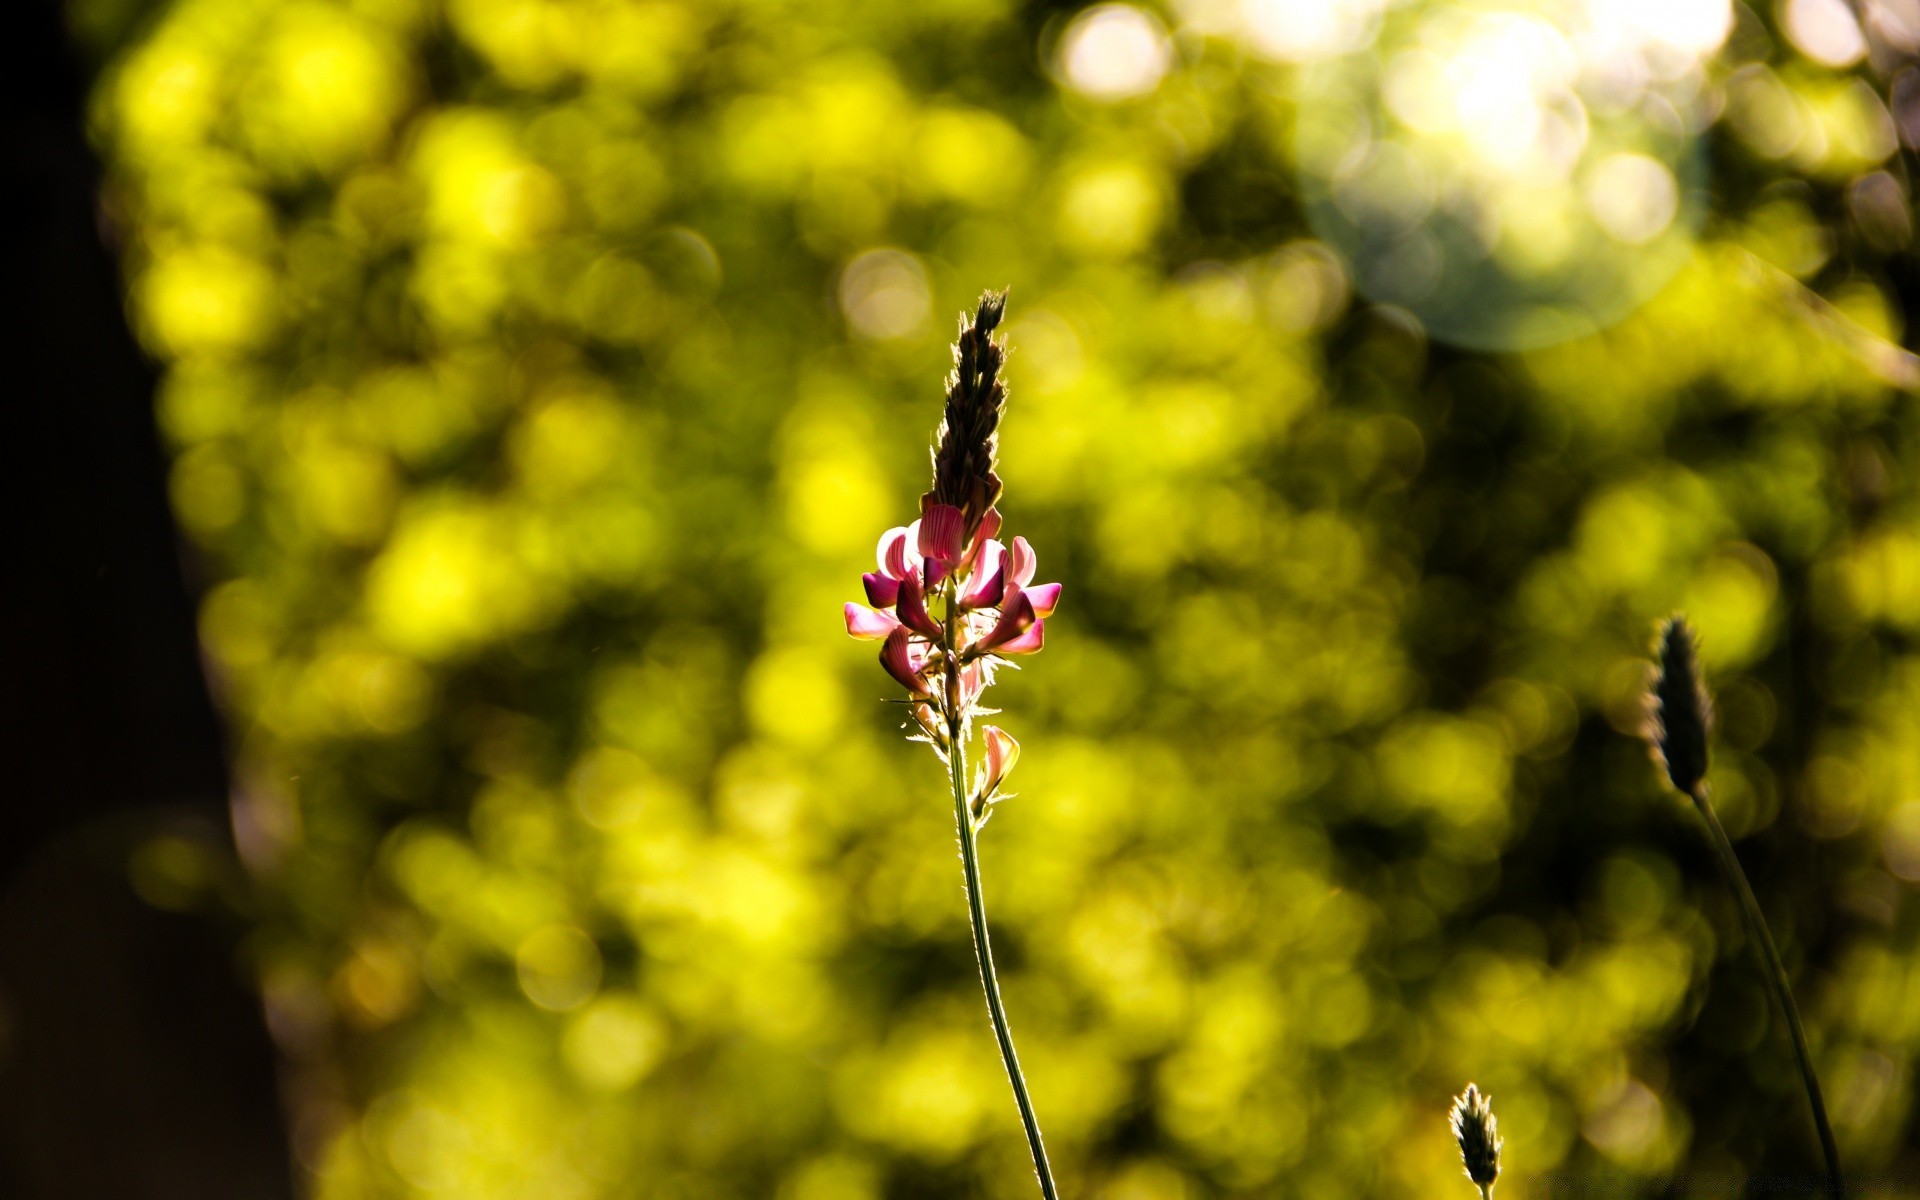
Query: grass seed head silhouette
[1679,720]
[1679,712]
[1478,1133]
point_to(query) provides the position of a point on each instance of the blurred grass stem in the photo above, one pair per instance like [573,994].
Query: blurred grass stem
[1777,976]
[977,907]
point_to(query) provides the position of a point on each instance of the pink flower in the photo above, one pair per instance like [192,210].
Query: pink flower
[1002,753]
[1019,630]
[1044,597]
[905,660]
[1021,565]
[882,590]
[988,530]
[987,583]
[892,551]
[867,624]
[973,681]
[883,586]
[943,532]
[912,609]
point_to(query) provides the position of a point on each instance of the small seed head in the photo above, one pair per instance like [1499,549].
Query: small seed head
[1679,711]
[1479,1136]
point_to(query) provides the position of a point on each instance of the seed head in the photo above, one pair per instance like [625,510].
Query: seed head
[1479,1137]
[965,453]
[1679,711]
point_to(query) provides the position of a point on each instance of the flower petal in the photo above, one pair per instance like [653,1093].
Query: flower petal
[988,582]
[943,528]
[1021,564]
[989,526]
[1044,598]
[1029,642]
[1002,753]
[973,681]
[898,659]
[882,590]
[912,608]
[1016,615]
[867,624]
[891,553]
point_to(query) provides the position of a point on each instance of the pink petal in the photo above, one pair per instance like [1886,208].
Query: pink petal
[1021,564]
[868,625]
[1015,616]
[912,608]
[892,552]
[882,590]
[988,582]
[1002,753]
[933,571]
[1044,598]
[898,659]
[942,530]
[1027,643]
[989,525]
[973,681]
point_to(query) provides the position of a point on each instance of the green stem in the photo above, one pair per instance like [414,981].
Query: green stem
[977,912]
[1777,976]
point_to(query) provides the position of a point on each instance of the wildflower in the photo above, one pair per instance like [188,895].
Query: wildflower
[1478,1133]
[949,601]
[949,605]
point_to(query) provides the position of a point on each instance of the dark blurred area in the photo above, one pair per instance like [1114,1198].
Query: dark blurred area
[134,1062]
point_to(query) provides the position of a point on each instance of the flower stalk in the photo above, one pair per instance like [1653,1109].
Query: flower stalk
[967,823]
[951,605]
[1679,720]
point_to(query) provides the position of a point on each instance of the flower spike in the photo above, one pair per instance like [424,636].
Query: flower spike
[934,601]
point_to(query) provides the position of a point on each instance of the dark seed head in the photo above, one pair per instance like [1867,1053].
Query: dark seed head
[967,448]
[1479,1136]
[1679,712]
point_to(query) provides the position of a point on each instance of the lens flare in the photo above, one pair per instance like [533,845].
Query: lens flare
[1512,173]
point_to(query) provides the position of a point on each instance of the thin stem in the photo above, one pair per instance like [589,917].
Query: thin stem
[977,913]
[1777,976]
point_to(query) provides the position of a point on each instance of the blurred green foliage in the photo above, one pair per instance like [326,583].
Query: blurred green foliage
[540,374]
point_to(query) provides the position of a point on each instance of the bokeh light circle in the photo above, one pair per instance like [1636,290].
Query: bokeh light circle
[1513,172]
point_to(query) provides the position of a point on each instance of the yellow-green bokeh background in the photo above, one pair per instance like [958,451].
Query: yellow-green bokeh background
[539,374]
